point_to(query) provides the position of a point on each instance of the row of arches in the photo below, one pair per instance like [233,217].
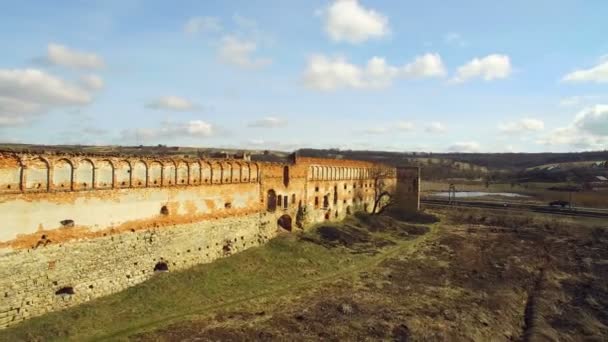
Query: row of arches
[338,173]
[66,174]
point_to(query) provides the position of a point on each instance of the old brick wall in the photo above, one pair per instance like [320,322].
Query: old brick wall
[79,227]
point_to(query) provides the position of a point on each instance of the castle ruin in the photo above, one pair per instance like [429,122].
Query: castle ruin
[78,227]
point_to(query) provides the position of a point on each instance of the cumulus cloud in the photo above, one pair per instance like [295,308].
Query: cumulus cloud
[196,25]
[326,73]
[62,55]
[593,120]
[240,52]
[588,131]
[525,125]
[467,147]
[598,74]
[92,82]
[268,122]
[435,128]
[172,103]
[488,68]
[25,93]
[171,130]
[347,20]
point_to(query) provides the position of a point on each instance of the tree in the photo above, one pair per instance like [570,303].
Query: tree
[383,192]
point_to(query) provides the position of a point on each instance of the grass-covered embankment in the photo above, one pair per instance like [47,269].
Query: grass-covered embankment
[286,265]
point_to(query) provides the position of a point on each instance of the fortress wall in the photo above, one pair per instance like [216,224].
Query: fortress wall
[76,228]
[26,217]
[56,276]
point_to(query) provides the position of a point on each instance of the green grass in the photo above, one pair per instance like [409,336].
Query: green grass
[280,267]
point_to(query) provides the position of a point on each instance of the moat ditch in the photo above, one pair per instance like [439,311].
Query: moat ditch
[369,278]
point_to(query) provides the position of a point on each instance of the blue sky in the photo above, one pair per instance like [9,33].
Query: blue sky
[394,75]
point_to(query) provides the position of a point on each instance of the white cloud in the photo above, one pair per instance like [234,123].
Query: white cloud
[347,20]
[435,128]
[593,120]
[588,131]
[64,56]
[239,52]
[171,102]
[268,122]
[524,125]
[172,130]
[399,126]
[375,130]
[488,68]
[598,74]
[467,147]
[196,25]
[455,39]
[405,126]
[327,73]
[28,92]
[92,82]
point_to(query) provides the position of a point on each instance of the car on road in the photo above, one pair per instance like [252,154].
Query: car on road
[560,203]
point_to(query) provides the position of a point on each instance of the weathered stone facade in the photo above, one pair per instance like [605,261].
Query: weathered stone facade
[76,228]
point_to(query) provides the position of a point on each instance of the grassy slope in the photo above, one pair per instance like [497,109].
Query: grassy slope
[280,267]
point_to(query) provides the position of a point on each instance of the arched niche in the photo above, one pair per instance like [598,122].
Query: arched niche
[139,174]
[83,174]
[123,174]
[216,173]
[227,172]
[168,173]
[236,172]
[245,169]
[62,175]
[155,173]
[195,173]
[182,173]
[104,174]
[254,173]
[10,174]
[205,173]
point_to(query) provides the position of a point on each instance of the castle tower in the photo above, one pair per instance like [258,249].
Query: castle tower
[408,188]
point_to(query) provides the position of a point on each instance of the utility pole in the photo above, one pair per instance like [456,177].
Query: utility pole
[452,194]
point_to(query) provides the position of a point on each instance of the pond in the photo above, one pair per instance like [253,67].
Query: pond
[467,194]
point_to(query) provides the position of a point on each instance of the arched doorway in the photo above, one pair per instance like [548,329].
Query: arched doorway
[285,222]
[271,201]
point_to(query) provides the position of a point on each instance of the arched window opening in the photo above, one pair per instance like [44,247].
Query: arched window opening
[285,202]
[164,210]
[271,201]
[326,201]
[285,222]
[335,194]
[161,266]
[286,175]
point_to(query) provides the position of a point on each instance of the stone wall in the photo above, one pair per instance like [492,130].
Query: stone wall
[56,276]
[79,227]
